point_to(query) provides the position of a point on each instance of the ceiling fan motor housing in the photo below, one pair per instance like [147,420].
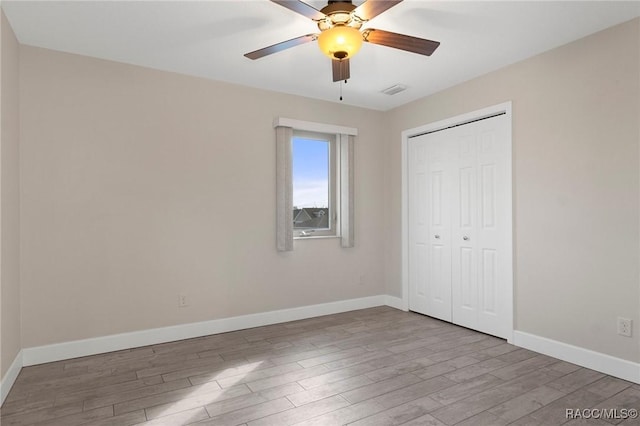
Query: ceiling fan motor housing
[339,13]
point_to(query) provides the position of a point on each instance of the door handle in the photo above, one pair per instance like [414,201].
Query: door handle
[465,238]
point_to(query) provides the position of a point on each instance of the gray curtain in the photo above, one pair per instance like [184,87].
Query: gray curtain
[346,191]
[284,189]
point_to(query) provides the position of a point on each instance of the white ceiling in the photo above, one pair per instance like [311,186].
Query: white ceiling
[208,39]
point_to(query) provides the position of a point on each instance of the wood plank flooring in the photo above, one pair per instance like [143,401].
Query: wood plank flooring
[376,366]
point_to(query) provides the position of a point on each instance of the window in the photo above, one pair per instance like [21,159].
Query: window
[314,182]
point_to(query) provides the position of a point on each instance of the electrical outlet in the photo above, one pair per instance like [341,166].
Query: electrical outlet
[624,326]
[362,280]
[182,301]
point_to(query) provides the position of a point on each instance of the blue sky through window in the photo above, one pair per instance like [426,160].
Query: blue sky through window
[310,173]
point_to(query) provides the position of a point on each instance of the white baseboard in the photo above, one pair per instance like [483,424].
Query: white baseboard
[607,364]
[394,302]
[10,377]
[38,355]
[92,346]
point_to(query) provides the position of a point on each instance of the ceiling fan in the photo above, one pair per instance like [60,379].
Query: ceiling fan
[341,33]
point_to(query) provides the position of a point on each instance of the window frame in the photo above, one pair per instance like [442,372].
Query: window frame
[334,178]
[345,178]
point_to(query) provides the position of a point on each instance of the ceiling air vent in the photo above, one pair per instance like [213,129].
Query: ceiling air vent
[396,88]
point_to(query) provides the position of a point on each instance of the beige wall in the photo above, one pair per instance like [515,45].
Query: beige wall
[138,185]
[10,340]
[576,185]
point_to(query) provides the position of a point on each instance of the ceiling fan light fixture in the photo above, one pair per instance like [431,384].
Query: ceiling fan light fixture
[340,42]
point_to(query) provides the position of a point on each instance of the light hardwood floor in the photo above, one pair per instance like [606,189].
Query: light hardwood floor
[376,366]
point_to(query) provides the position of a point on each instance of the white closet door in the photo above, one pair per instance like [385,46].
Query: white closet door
[493,226]
[430,218]
[464,204]
[459,226]
[439,220]
[418,223]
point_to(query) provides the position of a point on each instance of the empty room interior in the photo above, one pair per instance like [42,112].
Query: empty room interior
[319,213]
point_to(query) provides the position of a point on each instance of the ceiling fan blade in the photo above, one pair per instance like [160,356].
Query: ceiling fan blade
[302,8]
[372,8]
[340,69]
[278,47]
[417,45]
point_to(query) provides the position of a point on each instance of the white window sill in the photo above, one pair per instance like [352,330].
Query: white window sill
[316,237]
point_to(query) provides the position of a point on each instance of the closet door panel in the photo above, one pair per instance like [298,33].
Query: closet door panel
[464,217]
[439,166]
[418,226]
[429,227]
[494,245]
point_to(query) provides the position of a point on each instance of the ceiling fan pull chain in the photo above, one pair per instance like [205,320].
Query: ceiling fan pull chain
[341,89]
